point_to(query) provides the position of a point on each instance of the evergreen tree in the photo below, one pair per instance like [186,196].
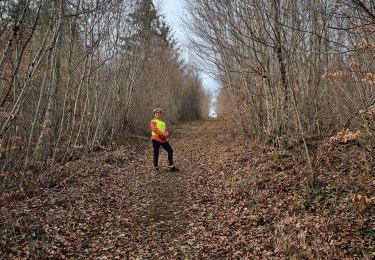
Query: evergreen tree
[150,25]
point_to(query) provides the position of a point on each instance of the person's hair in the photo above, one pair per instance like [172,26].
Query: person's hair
[157,110]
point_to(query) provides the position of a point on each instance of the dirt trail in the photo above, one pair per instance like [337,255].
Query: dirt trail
[171,198]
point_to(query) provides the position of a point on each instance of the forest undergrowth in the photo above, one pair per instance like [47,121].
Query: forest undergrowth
[231,199]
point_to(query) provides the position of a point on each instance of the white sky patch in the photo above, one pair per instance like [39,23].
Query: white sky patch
[174,11]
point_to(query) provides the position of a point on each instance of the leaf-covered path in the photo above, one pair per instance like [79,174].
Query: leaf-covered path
[112,205]
[229,200]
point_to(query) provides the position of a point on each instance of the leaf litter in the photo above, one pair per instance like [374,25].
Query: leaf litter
[231,199]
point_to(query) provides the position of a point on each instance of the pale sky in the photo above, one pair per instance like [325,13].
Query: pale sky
[174,11]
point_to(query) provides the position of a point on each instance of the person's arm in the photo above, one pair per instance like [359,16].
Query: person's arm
[166,132]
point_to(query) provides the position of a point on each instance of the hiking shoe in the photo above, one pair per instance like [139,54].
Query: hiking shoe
[172,169]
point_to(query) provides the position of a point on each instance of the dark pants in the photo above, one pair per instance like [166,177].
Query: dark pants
[166,147]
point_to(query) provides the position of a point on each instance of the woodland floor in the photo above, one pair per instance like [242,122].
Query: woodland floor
[231,200]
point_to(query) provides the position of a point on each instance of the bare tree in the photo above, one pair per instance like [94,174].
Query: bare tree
[78,74]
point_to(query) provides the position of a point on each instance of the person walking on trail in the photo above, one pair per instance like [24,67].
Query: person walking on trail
[159,134]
